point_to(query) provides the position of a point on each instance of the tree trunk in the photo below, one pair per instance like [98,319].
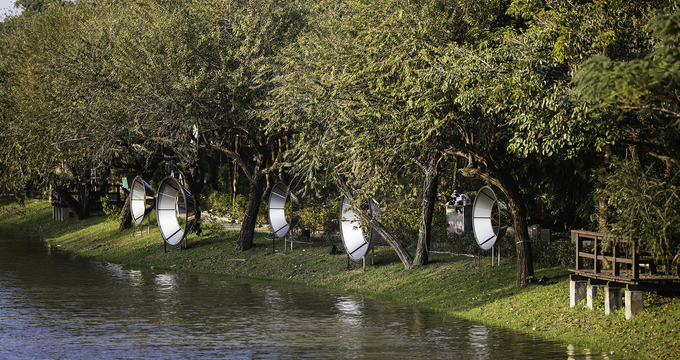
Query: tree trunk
[125,215]
[518,211]
[431,170]
[404,256]
[525,261]
[245,238]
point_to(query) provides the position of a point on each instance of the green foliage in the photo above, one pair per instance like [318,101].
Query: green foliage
[646,207]
[319,218]
[223,204]
[111,210]
[554,253]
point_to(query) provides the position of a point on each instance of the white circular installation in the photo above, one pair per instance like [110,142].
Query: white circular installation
[277,209]
[481,218]
[356,244]
[142,200]
[174,204]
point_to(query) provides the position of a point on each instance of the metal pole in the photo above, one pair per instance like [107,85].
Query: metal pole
[493,255]
[364,259]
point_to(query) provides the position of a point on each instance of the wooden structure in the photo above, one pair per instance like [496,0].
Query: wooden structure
[625,271]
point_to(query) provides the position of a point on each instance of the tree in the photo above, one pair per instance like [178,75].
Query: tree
[642,95]
[360,90]
[58,123]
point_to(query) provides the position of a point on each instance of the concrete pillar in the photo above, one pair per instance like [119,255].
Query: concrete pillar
[591,292]
[577,292]
[634,303]
[612,299]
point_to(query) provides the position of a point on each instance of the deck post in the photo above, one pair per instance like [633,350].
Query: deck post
[577,292]
[579,248]
[591,292]
[634,303]
[612,299]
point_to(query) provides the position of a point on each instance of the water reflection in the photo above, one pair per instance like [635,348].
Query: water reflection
[55,305]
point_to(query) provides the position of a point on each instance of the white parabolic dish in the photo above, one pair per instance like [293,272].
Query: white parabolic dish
[356,244]
[481,218]
[142,199]
[173,202]
[277,210]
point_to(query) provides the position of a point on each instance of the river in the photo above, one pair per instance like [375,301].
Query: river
[55,305]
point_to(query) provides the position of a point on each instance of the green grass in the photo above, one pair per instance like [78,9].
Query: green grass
[453,284]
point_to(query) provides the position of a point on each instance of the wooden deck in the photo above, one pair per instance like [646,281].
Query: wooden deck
[627,268]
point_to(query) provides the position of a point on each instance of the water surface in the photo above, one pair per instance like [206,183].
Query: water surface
[54,305]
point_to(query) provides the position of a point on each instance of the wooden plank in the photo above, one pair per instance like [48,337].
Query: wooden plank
[579,247]
[615,265]
[574,277]
[596,264]
[636,263]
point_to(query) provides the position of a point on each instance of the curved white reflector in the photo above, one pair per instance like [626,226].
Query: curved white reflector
[173,202]
[142,199]
[277,210]
[352,234]
[481,218]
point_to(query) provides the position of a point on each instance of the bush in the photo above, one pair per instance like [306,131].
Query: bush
[319,218]
[221,204]
[112,211]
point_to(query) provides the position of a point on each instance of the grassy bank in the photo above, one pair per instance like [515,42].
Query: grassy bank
[453,284]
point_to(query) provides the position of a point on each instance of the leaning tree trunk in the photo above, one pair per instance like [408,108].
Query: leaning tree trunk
[125,215]
[431,170]
[245,238]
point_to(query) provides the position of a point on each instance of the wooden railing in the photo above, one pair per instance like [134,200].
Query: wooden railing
[613,255]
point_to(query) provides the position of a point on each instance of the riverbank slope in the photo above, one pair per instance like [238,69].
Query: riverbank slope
[458,285]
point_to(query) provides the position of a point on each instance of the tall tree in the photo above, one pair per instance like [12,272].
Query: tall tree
[358,87]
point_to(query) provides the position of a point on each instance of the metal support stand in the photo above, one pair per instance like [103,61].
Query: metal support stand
[141,227]
[364,259]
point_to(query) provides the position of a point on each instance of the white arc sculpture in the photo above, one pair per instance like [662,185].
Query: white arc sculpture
[277,210]
[355,242]
[174,203]
[484,231]
[142,200]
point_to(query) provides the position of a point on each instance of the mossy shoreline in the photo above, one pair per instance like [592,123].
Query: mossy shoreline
[458,285]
